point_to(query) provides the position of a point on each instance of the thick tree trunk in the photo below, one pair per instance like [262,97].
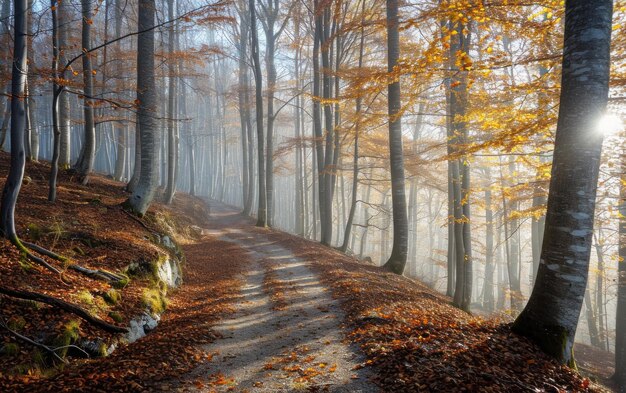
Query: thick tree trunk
[147,183]
[551,315]
[397,260]
[459,56]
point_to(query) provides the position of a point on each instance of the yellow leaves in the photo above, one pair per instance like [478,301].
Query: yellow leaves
[75,73]
[94,72]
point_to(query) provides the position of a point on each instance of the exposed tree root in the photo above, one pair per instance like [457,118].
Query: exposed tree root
[69,307]
[40,261]
[95,274]
[136,219]
[50,350]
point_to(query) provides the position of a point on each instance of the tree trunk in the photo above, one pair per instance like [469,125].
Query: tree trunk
[87,157]
[397,260]
[122,129]
[18,122]
[242,46]
[54,165]
[147,183]
[488,299]
[258,81]
[317,124]
[357,130]
[64,99]
[620,314]
[172,150]
[551,315]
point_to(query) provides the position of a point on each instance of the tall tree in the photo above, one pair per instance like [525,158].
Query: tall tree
[270,11]
[172,147]
[620,314]
[64,17]
[148,180]
[244,110]
[258,86]
[18,122]
[397,260]
[122,129]
[87,157]
[551,316]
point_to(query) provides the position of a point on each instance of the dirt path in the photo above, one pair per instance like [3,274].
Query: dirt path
[285,334]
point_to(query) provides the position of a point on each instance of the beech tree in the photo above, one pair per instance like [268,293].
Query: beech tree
[620,313]
[397,260]
[85,163]
[147,183]
[18,122]
[551,316]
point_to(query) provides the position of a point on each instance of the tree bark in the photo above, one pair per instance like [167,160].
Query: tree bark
[620,314]
[64,99]
[87,157]
[147,183]
[397,260]
[54,165]
[18,122]
[172,150]
[258,81]
[551,315]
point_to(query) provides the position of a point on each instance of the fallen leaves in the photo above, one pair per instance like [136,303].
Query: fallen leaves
[415,341]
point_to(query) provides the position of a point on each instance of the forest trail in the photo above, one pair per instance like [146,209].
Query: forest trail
[286,331]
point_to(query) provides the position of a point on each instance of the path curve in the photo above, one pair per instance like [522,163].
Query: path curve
[286,332]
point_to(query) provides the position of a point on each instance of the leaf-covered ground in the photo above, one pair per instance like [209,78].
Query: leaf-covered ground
[417,342]
[413,339]
[88,225]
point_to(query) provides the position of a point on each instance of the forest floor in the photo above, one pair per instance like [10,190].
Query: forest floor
[259,311]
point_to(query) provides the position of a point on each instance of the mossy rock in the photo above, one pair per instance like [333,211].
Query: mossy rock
[154,299]
[112,296]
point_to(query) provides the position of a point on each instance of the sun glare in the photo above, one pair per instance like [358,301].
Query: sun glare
[610,124]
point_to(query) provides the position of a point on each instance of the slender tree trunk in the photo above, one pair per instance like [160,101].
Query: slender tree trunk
[551,315]
[620,314]
[244,37]
[397,260]
[317,125]
[122,129]
[488,299]
[147,183]
[262,209]
[56,149]
[18,122]
[5,14]
[87,157]
[357,131]
[64,15]
[172,150]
